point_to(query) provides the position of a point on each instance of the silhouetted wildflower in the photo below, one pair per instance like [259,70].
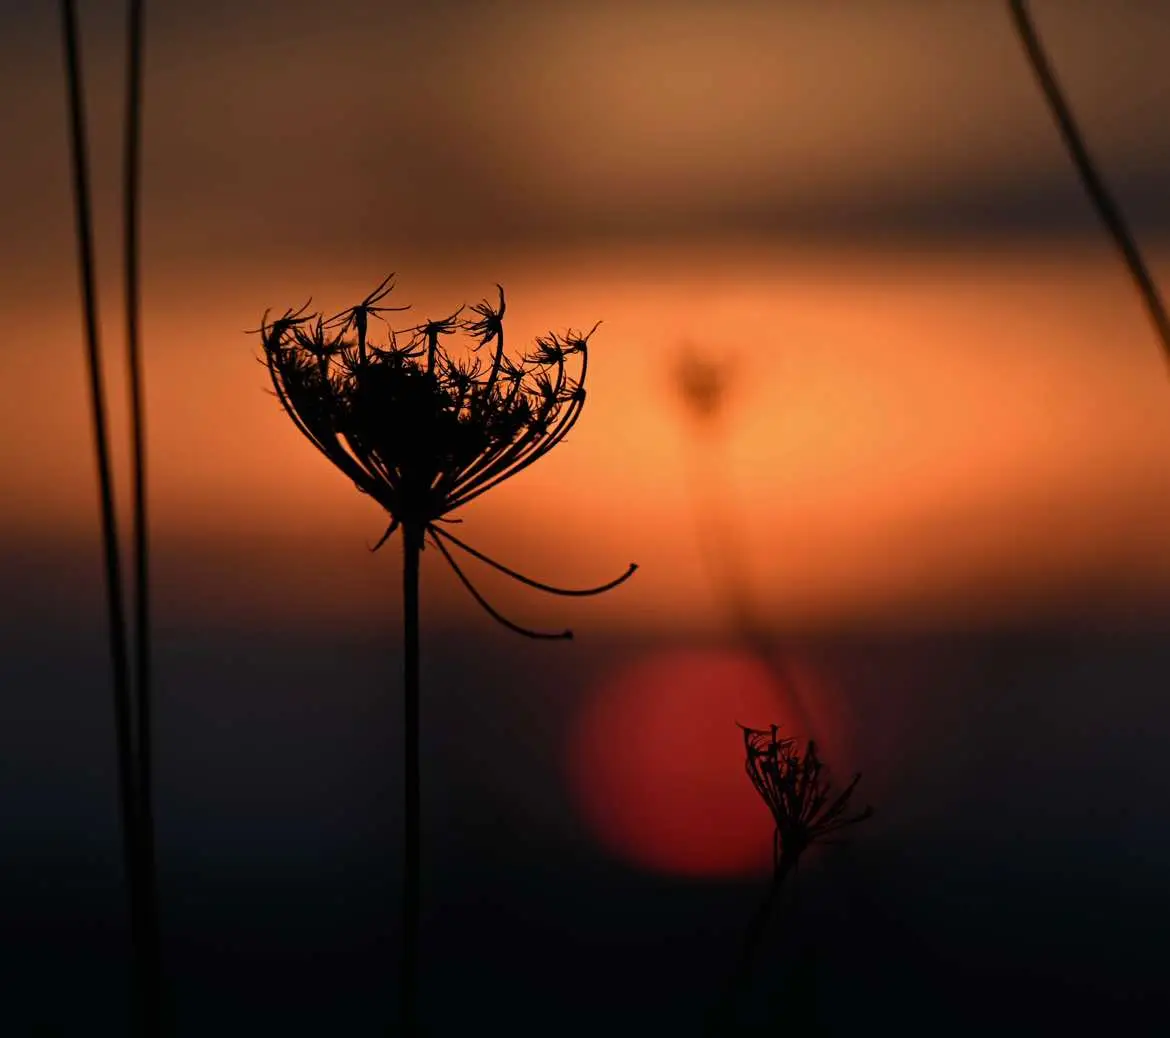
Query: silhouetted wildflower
[798,792]
[424,433]
[419,430]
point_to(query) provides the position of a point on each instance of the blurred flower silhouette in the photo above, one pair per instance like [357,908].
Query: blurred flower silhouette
[702,383]
[424,432]
[798,792]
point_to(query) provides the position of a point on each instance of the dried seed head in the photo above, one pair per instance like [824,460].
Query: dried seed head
[798,792]
[421,431]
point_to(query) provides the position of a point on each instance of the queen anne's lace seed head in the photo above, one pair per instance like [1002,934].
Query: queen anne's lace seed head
[796,788]
[419,429]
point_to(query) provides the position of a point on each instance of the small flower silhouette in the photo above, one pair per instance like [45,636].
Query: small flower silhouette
[424,432]
[798,792]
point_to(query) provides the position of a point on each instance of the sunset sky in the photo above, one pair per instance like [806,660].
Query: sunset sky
[949,405]
[946,417]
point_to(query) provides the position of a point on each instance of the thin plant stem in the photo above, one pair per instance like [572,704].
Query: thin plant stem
[720,537]
[720,540]
[758,926]
[1107,209]
[115,605]
[412,542]
[154,997]
[720,1022]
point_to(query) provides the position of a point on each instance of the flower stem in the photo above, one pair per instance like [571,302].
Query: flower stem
[1107,208]
[411,884]
[128,792]
[721,1020]
[720,540]
[154,996]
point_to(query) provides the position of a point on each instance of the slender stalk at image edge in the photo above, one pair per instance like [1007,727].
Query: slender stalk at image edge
[115,604]
[1107,208]
[131,719]
[154,990]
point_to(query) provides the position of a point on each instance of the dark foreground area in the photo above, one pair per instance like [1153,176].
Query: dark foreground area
[1014,878]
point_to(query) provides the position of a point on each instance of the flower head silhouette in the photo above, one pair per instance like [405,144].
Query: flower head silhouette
[420,430]
[424,432]
[798,792]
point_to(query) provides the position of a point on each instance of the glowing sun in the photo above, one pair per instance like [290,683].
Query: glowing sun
[656,762]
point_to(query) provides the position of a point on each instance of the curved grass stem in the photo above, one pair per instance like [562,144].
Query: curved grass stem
[124,719]
[154,995]
[1107,209]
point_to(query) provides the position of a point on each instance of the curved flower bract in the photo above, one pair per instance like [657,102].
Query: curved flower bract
[421,430]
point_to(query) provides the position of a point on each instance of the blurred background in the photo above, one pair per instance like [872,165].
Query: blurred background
[924,515]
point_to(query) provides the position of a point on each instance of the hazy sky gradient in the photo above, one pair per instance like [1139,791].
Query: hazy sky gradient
[957,403]
[947,412]
[320,130]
